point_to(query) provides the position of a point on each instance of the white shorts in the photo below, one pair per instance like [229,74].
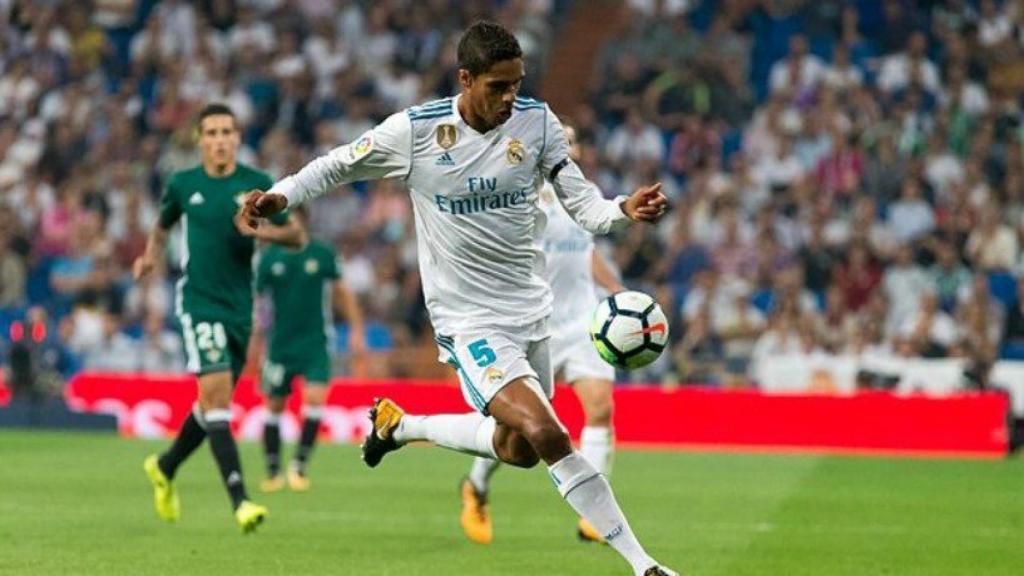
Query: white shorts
[576,358]
[487,359]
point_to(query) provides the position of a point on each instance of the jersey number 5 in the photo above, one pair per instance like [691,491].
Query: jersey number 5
[482,353]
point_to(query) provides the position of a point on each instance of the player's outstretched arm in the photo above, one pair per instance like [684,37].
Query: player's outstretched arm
[583,199]
[384,152]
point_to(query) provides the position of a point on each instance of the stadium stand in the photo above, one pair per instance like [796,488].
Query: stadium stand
[848,177]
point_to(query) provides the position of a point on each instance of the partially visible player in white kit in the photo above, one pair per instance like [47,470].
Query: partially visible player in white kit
[574,266]
[473,164]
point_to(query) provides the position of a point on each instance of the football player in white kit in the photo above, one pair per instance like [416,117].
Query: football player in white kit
[574,266]
[473,164]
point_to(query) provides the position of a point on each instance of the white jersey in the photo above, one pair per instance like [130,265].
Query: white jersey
[568,250]
[475,202]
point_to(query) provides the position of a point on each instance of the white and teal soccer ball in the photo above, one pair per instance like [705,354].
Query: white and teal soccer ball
[629,329]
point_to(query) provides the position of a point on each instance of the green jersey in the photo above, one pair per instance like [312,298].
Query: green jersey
[216,259]
[299,283]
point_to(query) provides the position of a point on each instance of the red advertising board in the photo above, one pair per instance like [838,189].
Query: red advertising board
[870,422]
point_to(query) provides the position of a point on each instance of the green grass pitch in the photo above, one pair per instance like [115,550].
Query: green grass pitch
[80,504]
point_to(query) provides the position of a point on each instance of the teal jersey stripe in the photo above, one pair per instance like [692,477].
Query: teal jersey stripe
[429,116]
[433,107]
[434,104]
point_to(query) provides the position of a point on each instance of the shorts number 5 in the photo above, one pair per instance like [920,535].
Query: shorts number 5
[482,353]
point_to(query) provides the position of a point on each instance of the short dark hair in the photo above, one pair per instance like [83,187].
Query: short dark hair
[485,43]
[215,109]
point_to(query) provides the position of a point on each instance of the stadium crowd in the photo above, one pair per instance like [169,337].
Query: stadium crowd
[847,177]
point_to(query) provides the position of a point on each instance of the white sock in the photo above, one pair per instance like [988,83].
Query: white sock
[597,447]
[472,433]
[589,494]
[480,473]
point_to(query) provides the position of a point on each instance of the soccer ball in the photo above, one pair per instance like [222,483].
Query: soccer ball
[629,329]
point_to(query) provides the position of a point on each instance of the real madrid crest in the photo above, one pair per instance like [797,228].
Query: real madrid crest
[516,152]
[447,135]
[494,375]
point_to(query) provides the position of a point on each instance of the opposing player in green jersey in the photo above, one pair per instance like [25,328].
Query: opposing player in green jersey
[304,287]
[213,301]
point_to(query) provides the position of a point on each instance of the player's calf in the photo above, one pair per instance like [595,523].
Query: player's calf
[514,448]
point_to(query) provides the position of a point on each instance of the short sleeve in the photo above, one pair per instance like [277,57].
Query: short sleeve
[170,204]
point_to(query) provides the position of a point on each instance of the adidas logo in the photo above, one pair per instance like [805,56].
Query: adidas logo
[196,198]
[445,160]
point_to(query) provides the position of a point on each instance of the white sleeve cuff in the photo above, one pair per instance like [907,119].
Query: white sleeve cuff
[288,189]
[621,219]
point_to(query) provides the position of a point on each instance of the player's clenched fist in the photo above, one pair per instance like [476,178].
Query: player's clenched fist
[647,204]
[258,204]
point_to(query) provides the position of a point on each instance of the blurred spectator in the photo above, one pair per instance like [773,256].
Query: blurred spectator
[635,141]
[12,274]
[159,350]
[858,277]
[885,170]
[904,283]
[732,248]
[910,217]
[148,297]
[686,258]
[836,327]
[929,332]
[110,350]
[910,68]
[992,245]
[816,259]
[789,333]
[839,173]
[842,75]
[948,275]
[799,71]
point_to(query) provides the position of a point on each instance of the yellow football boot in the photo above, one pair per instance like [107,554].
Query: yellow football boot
[475,518]
[587,533]
[384,419]
[250,515]
[297,482]
[273,484]
[165,497]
